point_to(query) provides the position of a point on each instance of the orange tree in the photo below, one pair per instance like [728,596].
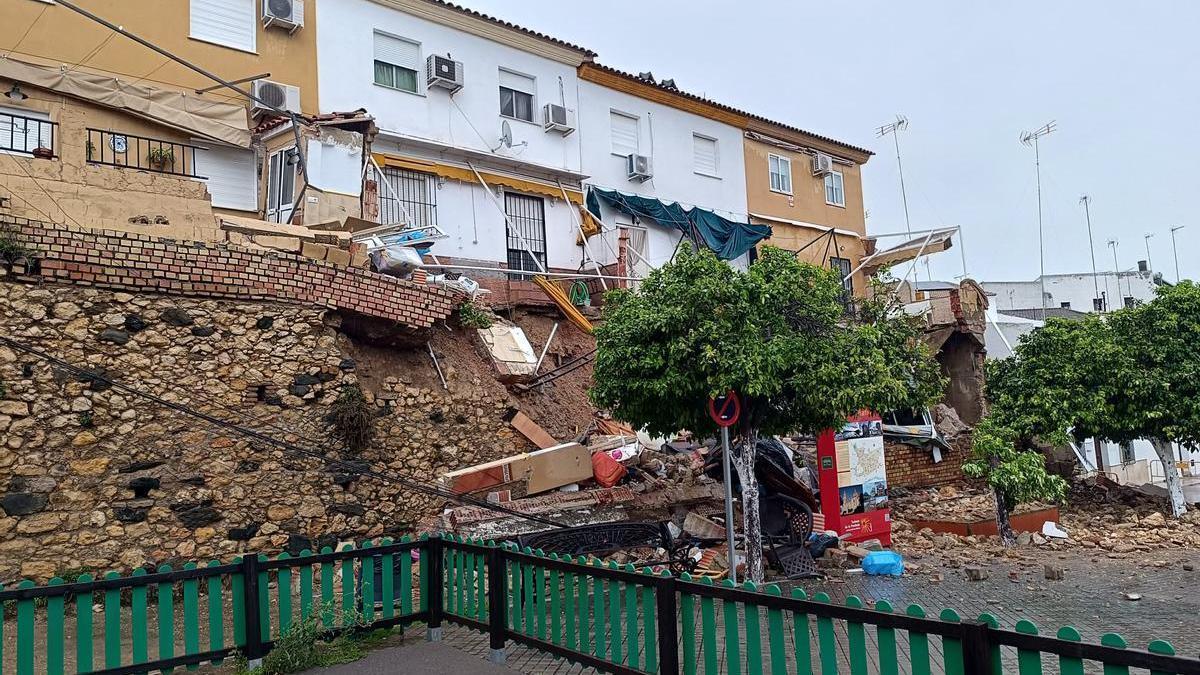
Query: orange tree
[777,334]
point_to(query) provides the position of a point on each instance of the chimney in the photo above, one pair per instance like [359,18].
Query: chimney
[1143,266]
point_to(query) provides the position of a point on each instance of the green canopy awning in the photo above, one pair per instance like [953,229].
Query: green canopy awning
[727,238]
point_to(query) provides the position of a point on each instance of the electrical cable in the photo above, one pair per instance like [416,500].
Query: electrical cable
[27,31]
[92,54]
[267,439]
[45,192]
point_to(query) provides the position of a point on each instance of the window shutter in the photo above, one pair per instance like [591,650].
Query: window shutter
[232,177]
[624,134]
[516,82]
[704,151]
[226,22]
[398,52]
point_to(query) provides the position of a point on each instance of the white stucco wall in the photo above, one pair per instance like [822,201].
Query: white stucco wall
[1077,289]
[345,64]
[666,135]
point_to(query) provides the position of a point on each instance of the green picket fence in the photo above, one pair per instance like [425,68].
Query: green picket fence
[615,619]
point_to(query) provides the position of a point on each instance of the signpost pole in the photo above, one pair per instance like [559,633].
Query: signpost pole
[726,465]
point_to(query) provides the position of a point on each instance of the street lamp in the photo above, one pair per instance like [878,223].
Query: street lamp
[1030,138]
[1175,251]
[1149,265]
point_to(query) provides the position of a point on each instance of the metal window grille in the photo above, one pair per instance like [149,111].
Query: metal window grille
[23,135]
[413,193]
[129,151]
[526,232]
[842,267]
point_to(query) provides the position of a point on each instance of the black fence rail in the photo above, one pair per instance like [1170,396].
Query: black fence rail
[614,618]
[129,151]
[28,135]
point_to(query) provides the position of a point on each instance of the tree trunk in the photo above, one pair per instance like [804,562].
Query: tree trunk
[1007,537]
[743,463]
[1171,472]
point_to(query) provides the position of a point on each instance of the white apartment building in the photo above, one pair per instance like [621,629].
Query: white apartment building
[461,101]
[1074,291]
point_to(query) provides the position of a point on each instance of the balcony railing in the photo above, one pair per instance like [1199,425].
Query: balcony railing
[129,151]
[27,135]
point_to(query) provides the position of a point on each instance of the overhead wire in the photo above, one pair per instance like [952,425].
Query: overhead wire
[38,185]
[27,31]
[88,57]
[256,435]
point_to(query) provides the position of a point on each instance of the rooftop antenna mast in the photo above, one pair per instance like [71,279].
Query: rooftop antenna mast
[1030,139]
[1175,250]
[1113,243]
[894,129]
[1087,201]
[1149,265]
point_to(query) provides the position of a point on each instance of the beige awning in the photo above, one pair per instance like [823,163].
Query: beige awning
[211,119]
[909,250]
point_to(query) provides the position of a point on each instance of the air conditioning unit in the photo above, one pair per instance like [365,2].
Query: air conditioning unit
[638,168]
[558,118]
[822,164]
[288,14]
[444,72]
[277,94]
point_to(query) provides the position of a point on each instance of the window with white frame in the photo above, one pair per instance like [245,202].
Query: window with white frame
[835,193]
[229,23]
[624,133]
[516,95]
[23,130]
[780,169]
[397,63]
[705,159]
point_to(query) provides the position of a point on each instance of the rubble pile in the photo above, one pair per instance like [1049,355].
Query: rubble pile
[948,502]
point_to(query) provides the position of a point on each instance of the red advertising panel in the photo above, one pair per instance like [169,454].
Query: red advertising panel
[853,480]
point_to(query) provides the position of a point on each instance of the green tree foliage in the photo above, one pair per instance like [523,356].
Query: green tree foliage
[778,334]
[1128,375]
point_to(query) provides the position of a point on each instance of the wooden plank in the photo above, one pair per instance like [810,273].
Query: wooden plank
[529,429]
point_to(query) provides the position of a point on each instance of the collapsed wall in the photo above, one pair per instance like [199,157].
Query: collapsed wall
[98,479]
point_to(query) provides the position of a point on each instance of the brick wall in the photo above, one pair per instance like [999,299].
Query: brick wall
[912,467]
[135,262]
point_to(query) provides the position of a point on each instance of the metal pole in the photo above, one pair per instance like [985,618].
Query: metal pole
[1086,200]
[1116,268]
[545,349]
[1037,163]
[1175,250]
[726,463]
[1149,264]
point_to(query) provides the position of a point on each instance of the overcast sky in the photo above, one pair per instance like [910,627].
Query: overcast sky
[1122,79]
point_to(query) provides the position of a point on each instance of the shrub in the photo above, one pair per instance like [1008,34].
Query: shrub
[471,316]
[351,419]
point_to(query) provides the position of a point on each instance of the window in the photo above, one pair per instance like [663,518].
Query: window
[1097,304]
[842,267]
[23,130]
[281,186]
[397,62]
[232,177]
[624,133]
[408,197]
[781,173]
[526,232]
[835,194]
[704,155]
[516,95]
[1129,301]
[229,23]
[1065,305]
[1127,455]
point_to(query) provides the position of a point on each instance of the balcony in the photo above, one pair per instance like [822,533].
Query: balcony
[27,135]
[127,151]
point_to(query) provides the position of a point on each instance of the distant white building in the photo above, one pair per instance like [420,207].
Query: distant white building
[1079,292]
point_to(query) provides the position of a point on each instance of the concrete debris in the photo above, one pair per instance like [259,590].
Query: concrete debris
[530,473]
[702,528]
[508,349]
[949,426]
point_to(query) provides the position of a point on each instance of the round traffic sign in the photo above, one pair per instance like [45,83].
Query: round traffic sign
[725,409]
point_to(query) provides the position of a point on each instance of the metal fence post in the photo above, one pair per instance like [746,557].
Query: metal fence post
[668,626]
[976,648]
[497,603]
[254,649]
[437,584]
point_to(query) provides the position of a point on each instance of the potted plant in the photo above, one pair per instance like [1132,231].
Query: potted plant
[42,152]
[161,157]
[91,150]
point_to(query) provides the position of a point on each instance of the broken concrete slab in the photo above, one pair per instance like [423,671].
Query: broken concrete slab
[509,351]
[699,526]
[535,471]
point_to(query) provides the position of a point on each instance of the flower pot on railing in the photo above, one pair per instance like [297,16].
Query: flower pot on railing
[161,158]
[43,153]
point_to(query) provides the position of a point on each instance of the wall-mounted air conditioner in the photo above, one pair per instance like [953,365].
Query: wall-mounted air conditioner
[822,164]
[276,94]
[444,72]
[287,14]
[638,168]
[558,118]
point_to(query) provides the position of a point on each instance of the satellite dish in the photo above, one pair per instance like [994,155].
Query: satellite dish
[505,134]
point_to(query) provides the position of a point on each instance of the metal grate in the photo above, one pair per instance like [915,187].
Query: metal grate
[129,151]
[24,135]
[526,232]
[412,199]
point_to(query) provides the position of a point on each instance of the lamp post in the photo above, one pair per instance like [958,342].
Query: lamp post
[1175,251]
[1149,265]
[1030,138]
[1086,201]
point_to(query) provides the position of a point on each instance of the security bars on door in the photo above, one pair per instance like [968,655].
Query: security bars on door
[526,232]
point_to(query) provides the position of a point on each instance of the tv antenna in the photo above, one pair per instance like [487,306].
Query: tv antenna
[1030,139]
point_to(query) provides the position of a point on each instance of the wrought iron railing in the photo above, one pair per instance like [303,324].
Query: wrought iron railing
[27,135]
[130,151]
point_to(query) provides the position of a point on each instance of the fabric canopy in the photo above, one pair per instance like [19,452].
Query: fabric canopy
[940,241]
[466,175]
[204,117]
[727,238]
